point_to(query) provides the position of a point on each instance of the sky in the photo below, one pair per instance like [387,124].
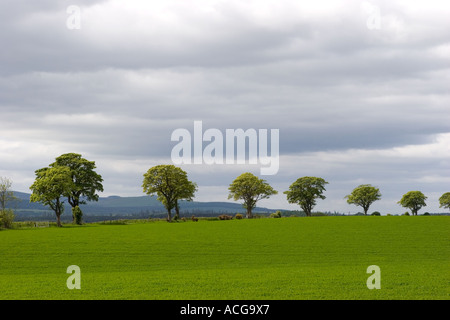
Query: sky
[359,91]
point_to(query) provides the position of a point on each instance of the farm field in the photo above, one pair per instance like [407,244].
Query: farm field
[271,259]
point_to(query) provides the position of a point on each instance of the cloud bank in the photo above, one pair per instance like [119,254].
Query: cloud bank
[355,102]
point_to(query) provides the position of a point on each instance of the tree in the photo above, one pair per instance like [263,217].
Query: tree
[444,201]
[50,185]
[85,181]
[6,218]
[6,195]
[304,192]
[251,189]
[170,184]
[363,196]
[413,200]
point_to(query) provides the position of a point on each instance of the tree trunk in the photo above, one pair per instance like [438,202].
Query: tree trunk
[58,220]
[249,213]
[169,215]
[58,210]
[177,211]
[306,210]
[74,202]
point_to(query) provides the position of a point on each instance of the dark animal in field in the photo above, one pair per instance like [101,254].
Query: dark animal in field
[194,219]
[225,217]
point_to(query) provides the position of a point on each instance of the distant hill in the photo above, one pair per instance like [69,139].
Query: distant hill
[115,207]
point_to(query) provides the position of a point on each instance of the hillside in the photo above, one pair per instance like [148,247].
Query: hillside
[115,207]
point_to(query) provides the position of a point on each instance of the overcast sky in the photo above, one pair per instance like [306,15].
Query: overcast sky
[358,89]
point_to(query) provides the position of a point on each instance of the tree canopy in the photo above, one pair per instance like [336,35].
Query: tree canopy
[85,181]
[70,176]
[363,196]
[413,200]
[251,189]
[305,191]
[170,184]
[50,185]
[444,201]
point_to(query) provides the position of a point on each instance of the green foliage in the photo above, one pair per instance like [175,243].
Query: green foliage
[444,201]
[426,214]
[250,189]
[305,191]
[6,218]
[85,181]
[376,213]
[77,215]
[363,196]
[413,200]
[276,214]
[49,186]
[170,184]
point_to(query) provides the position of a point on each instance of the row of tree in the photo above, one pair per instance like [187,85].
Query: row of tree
[171,184]
[74,178]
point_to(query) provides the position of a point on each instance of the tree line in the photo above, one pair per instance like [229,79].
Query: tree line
[73,178]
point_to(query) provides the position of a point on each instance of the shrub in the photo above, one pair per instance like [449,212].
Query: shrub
[426,214]
[238,216]
[225,217]
[406,213]
[276,214]
[376,213]
[6,218]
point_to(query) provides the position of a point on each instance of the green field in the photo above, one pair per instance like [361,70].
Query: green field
[282,259]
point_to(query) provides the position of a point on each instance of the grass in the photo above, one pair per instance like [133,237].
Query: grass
[283,259]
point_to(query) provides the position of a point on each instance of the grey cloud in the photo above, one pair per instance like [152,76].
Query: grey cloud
[328,83]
